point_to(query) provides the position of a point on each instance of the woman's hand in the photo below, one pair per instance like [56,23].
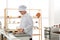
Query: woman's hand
[20,30]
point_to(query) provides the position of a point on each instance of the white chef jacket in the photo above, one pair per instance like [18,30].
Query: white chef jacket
[27,24]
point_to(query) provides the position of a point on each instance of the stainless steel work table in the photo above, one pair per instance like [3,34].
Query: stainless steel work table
[11,36]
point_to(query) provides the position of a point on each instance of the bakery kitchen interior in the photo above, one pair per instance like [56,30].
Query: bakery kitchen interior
[29,20]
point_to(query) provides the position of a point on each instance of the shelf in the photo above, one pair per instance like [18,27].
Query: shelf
[37,28]
[19,17]
[14,23]
[13,17]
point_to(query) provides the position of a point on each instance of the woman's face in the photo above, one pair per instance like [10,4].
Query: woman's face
[22,12]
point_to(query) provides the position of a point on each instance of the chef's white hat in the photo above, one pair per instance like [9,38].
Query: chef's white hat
[22,8]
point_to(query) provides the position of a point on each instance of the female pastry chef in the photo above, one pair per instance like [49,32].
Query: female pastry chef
[26,25]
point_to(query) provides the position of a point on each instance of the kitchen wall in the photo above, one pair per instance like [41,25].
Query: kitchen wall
[54,13]
[51,12]
[57,12]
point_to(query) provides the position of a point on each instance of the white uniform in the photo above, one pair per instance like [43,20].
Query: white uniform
[27,24]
